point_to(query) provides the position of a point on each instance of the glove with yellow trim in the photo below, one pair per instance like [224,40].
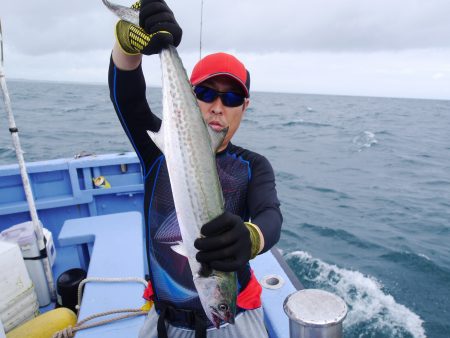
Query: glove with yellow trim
[158,29]
[229,243]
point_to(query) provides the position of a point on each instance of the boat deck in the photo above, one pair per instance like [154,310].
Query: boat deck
[101,230]
[109,252]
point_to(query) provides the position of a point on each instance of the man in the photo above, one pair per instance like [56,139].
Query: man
[221,84]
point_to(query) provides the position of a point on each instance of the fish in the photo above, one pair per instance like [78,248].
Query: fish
[128,14]
[189,146]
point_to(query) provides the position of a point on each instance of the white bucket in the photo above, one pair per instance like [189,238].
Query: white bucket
[18,302]
[24,235]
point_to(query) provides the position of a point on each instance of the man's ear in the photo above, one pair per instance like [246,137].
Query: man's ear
[246,104]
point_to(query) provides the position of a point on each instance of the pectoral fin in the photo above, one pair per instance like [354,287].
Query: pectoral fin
[179,249]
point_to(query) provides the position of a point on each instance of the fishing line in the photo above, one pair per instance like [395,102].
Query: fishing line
[201,27]
[1,46]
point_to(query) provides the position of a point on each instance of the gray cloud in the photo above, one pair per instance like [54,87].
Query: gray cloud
[43,27]
[36,27]
[326,25]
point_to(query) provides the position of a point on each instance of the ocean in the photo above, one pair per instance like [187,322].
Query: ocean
[364,185]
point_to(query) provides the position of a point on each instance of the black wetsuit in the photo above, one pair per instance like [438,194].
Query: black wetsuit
[247,181]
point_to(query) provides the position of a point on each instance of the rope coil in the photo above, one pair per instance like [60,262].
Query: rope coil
[70,331]
[107,280]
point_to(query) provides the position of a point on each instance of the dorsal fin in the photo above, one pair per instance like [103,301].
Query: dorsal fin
[158,137]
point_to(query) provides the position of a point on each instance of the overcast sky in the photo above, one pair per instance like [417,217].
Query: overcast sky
[396,48]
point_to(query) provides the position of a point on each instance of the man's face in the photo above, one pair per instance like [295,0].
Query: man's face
[218,116]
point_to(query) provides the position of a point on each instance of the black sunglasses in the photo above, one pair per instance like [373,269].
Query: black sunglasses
[208,95]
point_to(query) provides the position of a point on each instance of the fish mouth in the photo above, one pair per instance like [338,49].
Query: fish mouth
[216,320]
[228,317]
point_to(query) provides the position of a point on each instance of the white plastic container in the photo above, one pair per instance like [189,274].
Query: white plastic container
[50,245]
[18,301]
[20,309]
[24,235]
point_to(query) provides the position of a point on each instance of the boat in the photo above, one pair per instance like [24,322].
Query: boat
[78,213]
[92,208]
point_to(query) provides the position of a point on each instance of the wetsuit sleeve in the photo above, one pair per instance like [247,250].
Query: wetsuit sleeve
[127,92]
[263,204]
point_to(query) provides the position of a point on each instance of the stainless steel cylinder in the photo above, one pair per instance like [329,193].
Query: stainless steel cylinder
[315,314]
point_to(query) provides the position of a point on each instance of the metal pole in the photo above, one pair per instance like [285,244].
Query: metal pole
[23,173]
[315,314]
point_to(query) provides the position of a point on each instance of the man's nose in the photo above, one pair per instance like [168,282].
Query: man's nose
[217,106]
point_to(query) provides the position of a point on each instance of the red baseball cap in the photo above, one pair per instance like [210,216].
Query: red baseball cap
[221,64]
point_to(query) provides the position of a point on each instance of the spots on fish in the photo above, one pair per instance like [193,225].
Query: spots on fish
[191,166]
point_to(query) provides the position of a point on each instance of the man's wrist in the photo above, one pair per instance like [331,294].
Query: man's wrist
[256,238]
[123,61]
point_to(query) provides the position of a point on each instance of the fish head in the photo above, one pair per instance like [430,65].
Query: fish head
[222,308]
[218,297]
[222,312]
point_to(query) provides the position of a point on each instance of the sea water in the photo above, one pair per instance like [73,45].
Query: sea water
[364,185]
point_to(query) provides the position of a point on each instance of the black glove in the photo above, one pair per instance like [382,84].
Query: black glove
[158,29]
[156,16]
[228,244]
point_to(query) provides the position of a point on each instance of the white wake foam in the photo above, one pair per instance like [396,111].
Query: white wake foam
[369,306]
[364,139]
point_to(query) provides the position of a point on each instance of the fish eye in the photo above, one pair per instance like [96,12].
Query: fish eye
[223,307]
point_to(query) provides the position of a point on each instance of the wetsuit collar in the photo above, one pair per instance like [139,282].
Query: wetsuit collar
[227,148]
